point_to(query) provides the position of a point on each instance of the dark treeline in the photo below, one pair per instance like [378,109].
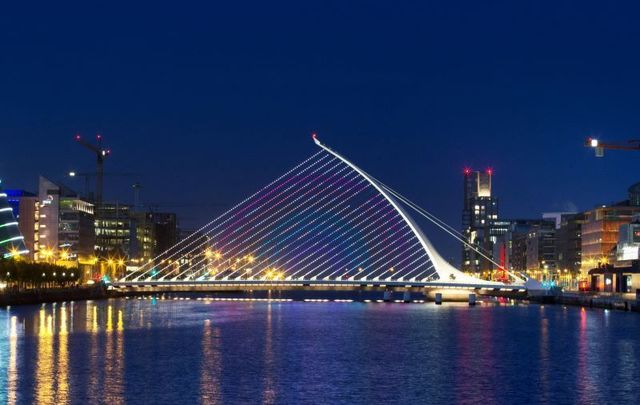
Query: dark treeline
[18,274]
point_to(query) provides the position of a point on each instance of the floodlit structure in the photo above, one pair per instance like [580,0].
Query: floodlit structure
[326,221]
[11,240]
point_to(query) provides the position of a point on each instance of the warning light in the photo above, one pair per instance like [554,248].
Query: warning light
[467,171]
[77,137]
[490,171]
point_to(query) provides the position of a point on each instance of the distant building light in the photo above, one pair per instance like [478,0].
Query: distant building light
[594,143]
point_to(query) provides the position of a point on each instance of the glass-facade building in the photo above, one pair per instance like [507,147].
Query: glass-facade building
[480,224]
[11,240]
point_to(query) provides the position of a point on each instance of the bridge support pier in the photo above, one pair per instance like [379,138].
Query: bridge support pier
[387,296]
[472,299]
[438,298]
[406,297]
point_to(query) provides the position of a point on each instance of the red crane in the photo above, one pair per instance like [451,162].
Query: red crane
[101,154]
[599,146]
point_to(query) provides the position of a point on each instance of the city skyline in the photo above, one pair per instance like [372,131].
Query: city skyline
[321,202]
[212,111]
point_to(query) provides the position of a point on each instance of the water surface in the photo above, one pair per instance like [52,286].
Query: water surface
[178,351]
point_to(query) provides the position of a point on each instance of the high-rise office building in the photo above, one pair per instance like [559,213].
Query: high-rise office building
[128,233]
[152,234]
[66,226]
[113,226]
[541,248]
[569,243]
[514,243]
[479,220]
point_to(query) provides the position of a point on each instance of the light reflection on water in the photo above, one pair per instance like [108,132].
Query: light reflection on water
[114,351]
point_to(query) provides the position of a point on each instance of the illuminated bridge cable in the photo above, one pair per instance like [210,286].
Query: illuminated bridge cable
[332,201]
[273,231]
[431,216]
[294,226]
[362,245]
[230,210]
[438,222]
[307,247]
[239,270]
[337,246]
[260,226]
[333,216]
[235,227]
[341,246]
[442,225]
[337,243]
[390,265]
[326,241]
[233,211]
[265,268]
[325,219]
[374,270]
[270,205]
[297,231]
[408,273]
[237,210]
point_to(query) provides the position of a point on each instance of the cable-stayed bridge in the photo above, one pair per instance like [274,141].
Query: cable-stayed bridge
[325,222]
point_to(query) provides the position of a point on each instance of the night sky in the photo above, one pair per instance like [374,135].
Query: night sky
[208,101]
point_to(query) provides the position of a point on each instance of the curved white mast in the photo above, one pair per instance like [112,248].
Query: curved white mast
[445,271]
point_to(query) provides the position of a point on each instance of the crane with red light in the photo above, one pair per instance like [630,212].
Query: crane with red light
[599,146]
[101,154]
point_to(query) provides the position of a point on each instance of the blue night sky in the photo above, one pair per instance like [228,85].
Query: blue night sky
[208,101]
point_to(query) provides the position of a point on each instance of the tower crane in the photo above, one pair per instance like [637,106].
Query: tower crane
[599,146]
[101,154]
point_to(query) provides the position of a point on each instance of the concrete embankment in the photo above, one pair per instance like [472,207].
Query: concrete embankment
[625,302]
[39,296]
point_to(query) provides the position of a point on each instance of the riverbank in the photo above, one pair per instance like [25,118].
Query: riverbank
[624,302]
[40,296]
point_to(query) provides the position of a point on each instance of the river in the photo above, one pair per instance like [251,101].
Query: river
[196,351]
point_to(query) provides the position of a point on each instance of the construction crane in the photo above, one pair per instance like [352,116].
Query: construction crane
[101,154]
[599,146]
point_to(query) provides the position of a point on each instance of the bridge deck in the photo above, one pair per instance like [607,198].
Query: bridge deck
[267,284]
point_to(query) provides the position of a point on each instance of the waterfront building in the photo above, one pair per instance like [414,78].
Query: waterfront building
[541,252]
[66,225]
[152,234]
[610,278]
[623,273]
[569,242]
[129,237]
[600,233]
[11,240]
[113,228]
[628,246]
[512,245]
[26,209]
[479,220]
